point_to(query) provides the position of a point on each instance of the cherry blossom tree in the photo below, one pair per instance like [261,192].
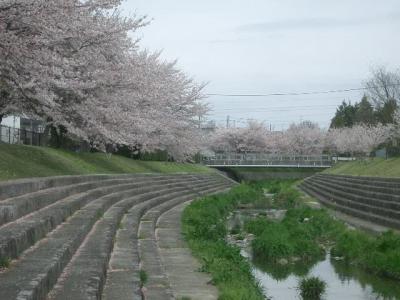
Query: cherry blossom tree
[359,139]
[73,64]
[305,138]
[252,138]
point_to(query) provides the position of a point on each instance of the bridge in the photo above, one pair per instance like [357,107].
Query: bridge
[267,160]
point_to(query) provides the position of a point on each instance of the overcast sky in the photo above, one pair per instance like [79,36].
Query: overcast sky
[274,46]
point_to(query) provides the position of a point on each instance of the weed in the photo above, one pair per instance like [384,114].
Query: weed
[204,228]
[143,277]
[120,225]
[4,262]
[311,288]
[99,214]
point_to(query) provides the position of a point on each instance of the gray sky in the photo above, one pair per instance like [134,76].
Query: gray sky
[274,46]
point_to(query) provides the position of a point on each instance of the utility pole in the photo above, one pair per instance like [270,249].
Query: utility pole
[227,121]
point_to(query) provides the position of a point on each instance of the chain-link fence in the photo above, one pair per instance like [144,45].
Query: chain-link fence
[12,135]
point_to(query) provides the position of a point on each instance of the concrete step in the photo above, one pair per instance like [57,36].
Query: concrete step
[123,272]
[16,207]
[364,185]
[375,206]
[390,183]
[366,190]
[87,283]
[17,236]
[333,203]
[14,188]
[355,202]
[158,286]
[37,271]
[182,269]
[373,199]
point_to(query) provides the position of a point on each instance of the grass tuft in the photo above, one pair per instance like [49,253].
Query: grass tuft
[311,288]
[4,262]
[143,277]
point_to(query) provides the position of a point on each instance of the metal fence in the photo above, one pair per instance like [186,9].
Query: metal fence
[12,135]
[267,160]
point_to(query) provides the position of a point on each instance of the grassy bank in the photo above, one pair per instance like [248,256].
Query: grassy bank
[371,167]
[305,233]
[18,161]
[205,230]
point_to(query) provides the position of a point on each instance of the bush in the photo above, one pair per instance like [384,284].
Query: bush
[380,254]
[311,288]
[203,224]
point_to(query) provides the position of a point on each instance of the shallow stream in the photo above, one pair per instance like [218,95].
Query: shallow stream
[343,281]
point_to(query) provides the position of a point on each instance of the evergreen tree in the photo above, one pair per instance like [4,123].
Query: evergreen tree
[365,112]
[345,115]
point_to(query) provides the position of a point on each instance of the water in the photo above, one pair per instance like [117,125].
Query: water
[343,280]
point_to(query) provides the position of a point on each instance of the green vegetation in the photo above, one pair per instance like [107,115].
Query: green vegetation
[311,288]
[204,228]
[4,262]
[371,167]
[380,255]
[304,231]
[18,161]
[293,244]
[143,277]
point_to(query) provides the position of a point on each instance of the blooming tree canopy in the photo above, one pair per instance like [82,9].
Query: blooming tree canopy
[73,63]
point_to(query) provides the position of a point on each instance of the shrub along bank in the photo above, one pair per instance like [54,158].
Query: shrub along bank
[205,230]
[305,233]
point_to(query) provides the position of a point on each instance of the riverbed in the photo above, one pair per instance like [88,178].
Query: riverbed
[344,281]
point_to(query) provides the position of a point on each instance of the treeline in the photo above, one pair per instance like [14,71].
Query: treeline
[378,105]
[76,65]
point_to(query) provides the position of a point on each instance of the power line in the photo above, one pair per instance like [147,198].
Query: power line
[299,93]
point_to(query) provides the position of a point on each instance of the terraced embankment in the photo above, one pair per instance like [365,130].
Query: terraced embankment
[373,199]
[87,237]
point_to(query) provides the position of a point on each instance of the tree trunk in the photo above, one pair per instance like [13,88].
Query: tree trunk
[1,118]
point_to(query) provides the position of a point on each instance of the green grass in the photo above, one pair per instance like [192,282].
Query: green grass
[204,227]
[370,167]
[304,229]
[300,234]
[18,161]
[4,262]
[311,288]
[379,255]
[143,277]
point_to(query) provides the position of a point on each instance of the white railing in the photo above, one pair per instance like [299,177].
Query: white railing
[267,160]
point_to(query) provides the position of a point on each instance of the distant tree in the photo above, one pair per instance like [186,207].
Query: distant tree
[365,112]
[344,116]
[305,138]
[358,140]
[385,113]
[383,86]
[383,90]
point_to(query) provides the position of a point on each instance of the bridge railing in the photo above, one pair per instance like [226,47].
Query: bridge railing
[268,160]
